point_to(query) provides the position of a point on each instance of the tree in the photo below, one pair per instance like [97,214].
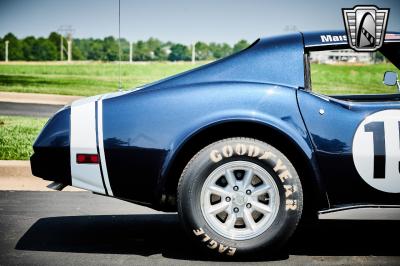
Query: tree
[55,38]
[220,50]
[179,52]
[141,51]
[14,47]
[44,49]
[202,51]
[27,45]
[110,48]
[77,53]
[156,49]
[95,50]
[107,49]
[124,50]
[2,49]
[240,45]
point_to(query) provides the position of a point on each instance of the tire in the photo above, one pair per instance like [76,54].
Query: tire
[240,196]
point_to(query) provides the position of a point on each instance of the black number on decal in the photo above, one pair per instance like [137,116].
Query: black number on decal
[378,130]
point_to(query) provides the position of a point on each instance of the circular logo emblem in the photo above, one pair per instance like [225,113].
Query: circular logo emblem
[376,150]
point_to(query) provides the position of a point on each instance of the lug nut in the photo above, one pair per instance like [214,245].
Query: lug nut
[228,199]
[235,188]
[248,192]
[248,205]
[236,209]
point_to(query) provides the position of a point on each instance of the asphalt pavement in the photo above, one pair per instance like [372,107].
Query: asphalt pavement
[28,109]
[80,228]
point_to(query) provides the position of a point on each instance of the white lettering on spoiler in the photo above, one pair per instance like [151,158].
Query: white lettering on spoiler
[333,38]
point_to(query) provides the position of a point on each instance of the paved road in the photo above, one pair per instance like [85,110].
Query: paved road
[79,228]
[28,109]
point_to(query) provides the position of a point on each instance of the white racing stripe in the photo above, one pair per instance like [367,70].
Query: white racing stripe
[83,140]
[101,145]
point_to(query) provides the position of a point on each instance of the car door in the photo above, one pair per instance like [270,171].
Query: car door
[357,142]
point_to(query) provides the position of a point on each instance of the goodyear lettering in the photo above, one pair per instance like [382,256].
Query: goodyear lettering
[267,155]
[215,156]
[291,204]
[227,151]
[279,166]
[213,244]
[240,149]
[289,190]
[253,151]
[285,175]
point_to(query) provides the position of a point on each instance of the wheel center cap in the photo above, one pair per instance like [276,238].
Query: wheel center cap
[240,198]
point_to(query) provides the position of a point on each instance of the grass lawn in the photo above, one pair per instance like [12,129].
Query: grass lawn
[93,78]
[17,135]
[349,79]
[83,78]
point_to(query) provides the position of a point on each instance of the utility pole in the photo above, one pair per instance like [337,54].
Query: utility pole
[130,52]
[6,53]
[193,53]
[69,42]
[66,31]
[61,48]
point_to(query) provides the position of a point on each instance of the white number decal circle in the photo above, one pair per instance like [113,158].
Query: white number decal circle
[376,150]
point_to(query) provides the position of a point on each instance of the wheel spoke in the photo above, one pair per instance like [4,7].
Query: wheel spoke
[230,177]
[219,191]
[230,222]
[261,207]
[261,189]
[217,208]
[248,219]
[247,178]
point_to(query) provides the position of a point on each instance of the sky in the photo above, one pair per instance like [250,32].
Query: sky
[179,20]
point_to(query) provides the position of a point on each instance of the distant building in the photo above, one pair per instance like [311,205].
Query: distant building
[339,56]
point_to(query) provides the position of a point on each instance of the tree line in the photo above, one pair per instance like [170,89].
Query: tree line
[106,49]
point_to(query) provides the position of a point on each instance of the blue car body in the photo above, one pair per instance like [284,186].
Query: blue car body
[144,137]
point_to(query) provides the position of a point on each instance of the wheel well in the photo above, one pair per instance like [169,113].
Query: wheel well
[312,193]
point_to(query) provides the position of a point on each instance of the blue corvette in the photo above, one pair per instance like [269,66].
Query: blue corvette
[242,148]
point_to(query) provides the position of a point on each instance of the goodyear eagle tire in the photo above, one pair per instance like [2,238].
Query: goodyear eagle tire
[240,196]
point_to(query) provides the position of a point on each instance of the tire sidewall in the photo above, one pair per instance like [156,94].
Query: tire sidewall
[243,149]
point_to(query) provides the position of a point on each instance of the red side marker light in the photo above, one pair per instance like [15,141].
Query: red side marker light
[87,158]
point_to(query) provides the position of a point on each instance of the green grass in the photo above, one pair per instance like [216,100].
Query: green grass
[93,78]
[84,78]
[350,79]
[17,135]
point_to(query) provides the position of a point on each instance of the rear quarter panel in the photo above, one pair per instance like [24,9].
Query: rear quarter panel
[145,128]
